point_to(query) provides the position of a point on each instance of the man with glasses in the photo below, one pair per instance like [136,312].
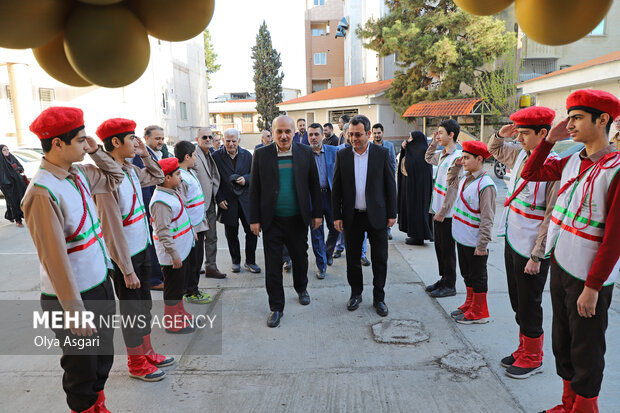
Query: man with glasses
[265,138]
[209,178]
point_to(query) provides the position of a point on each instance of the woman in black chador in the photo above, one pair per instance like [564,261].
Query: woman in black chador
[12,184]
[415,183]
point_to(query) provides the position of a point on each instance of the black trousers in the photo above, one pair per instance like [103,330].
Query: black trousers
[196,257]
[232,237]
[473,268]
[446,252]
[174,282]
[86,371]
[292,232]
[525,291]
[353,239]
[135,302]
[578,342]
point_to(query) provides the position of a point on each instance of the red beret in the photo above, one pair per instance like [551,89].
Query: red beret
[169,165]
[115,127]
[533,116]
[594,99]
[476,148]
[57,120]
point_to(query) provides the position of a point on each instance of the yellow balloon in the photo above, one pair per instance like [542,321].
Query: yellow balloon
[174,20]
[101,2]
[106,45]
[53,60]
[557,22]
[483,7]
[31,23]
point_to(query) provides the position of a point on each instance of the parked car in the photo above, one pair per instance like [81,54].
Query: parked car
[30,160]
[562,148]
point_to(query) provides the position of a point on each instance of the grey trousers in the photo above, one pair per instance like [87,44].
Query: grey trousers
[211,239]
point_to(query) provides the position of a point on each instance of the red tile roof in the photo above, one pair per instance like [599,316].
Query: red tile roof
[611,57]
[457,107]
[362,89]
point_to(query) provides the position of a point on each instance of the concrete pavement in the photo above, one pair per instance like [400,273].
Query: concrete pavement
[322,357]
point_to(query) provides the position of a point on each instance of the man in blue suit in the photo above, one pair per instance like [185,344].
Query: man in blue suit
[325,158]
[233,198]
[301,136]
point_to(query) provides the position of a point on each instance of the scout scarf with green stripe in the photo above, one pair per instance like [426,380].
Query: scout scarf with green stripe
[578,218]
[466,212]
[135,224]
[524,210]
[181,228]
[86,249]
[440,185]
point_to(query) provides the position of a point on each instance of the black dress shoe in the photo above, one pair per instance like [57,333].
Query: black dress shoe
[304,297]
[443,292]
[337,254]
[330,260]
[274,319]
[381,308]
[412,241]
[433,286]
[365,262]
[354,302]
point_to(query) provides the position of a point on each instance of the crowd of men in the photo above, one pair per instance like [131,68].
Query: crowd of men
[121,227]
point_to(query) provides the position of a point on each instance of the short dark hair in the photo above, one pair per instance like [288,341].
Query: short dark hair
[107,142]
[328,125]
[300,119]
[597,114]
[378,126]
[451,126]
[316,125]
[357,119]
[67,137]
[538,128]
[345,118]
[183,148]
[151,128]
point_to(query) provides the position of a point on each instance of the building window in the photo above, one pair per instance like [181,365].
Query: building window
[9,99]
[228,121]
[247,117]
[319,2]
[319,29]
[320,85]
[164,102]
[183,109]
[46,98]
[248,123]
[213,120]
[334,115]
[599,30]
[320,58]
[318,32]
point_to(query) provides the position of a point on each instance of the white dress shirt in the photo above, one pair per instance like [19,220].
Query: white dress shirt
[361,170]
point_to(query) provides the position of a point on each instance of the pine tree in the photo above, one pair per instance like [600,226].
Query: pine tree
[210,57]
[438,48]
[267,78]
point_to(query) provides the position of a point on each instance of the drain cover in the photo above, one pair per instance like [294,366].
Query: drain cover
[399,332]
[463,362]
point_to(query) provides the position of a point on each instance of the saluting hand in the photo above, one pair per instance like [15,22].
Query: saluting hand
[559,132]
[92,145]
[508,131]
[140,147]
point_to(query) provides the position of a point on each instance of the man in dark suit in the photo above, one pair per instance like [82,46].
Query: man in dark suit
[325,158]
[233,198]
[330,137]
[301,136]
[364,200]
[285,183]
[265,138]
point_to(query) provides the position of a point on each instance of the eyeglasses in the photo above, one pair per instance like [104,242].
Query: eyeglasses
[206,137]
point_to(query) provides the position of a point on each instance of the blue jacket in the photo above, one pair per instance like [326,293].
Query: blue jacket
[330,162]
[303,139]
[390,147]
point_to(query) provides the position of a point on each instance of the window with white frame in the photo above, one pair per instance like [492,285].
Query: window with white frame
[319,2]
[46,98]
[183,109]
[320,58]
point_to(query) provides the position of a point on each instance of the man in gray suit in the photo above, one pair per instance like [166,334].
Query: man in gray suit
[209,178]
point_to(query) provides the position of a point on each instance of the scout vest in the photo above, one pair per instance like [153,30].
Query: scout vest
[440,186]
[522,217]
[466,214]
[86,249]
[133,213]
[180,227]
[195,202]
[578,220]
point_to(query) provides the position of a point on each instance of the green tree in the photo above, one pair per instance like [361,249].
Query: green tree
[210,57]
[499,87]
[438,48]
[267,78]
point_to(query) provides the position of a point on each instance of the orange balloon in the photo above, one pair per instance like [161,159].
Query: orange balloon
[176,20]
[53,60]
[557,22]
[31,23]
[106,45]
[483,7]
